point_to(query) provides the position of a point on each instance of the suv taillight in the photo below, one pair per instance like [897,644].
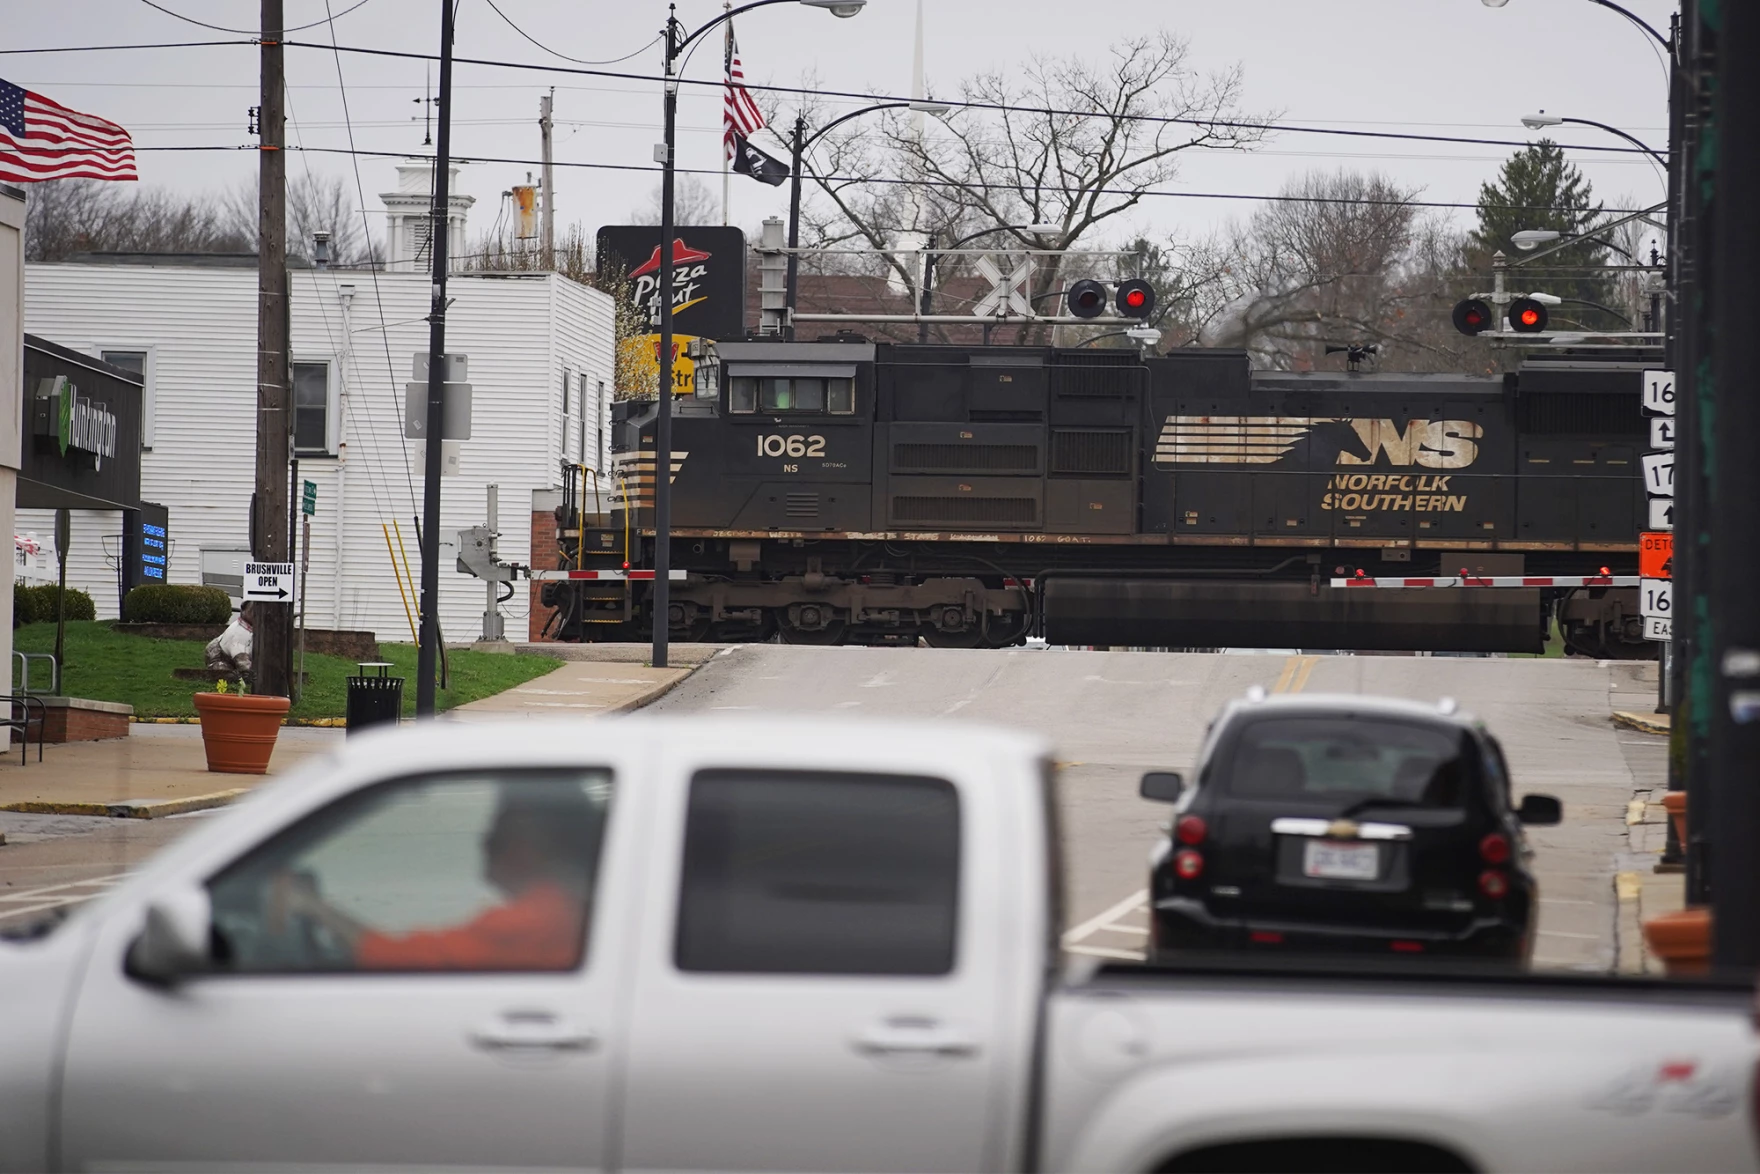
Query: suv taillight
[1190,830]
[1187,864]
[1494,848]
[1494,884]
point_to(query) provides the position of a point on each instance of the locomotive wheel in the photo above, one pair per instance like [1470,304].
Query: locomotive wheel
[964,638]
[831,633]
[695,631]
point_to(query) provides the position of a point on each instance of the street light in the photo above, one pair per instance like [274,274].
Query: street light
[676,41]
[1542,120]
[800,142]
[1530,239]
[1627,13]
[929,265]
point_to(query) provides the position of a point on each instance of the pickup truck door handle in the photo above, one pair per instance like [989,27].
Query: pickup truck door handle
[895,1038]
[525,1031]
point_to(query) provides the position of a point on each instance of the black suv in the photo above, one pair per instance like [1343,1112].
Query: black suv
[1345,824]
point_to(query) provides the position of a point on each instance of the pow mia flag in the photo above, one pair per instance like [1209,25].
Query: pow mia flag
[748,160]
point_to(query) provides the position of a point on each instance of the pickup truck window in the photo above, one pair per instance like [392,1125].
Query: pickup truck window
[818,873]
[475,871]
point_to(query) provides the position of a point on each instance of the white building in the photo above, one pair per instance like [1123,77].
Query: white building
[540,364]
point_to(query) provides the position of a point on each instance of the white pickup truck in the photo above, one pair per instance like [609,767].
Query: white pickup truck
[651,944]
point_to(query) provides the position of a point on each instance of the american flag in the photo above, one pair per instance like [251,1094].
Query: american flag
[41,139]
[740,117]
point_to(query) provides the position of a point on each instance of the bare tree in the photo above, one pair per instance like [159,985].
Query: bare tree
[67,217]
[314,203]
[693,204]
[1059,141]
[1344,258]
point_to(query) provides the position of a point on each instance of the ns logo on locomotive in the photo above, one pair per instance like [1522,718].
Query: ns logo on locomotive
[873,492]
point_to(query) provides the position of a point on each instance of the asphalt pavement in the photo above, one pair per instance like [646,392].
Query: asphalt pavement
[1113,715]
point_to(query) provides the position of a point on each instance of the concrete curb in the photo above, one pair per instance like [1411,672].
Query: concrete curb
[655,693]
[1641,723]
[328,723]
[129,808]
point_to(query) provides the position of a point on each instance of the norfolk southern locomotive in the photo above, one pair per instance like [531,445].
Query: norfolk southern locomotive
[852,492]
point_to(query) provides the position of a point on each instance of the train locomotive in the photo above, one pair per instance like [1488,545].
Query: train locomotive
[873,492]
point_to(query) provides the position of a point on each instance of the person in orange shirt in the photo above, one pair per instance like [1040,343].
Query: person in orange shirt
[538,854]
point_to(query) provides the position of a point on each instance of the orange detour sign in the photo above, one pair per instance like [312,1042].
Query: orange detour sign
[1656,555]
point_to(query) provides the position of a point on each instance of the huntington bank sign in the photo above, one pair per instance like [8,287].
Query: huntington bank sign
[75,422]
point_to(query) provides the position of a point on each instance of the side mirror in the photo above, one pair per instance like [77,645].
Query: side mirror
[174,942]
[1162,786]
[1540,810]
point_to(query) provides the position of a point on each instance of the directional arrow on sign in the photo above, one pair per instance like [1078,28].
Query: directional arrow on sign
[280,592]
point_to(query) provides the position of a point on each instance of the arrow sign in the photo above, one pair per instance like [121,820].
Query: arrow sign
[268,582]
[1662,432]
[1662,513]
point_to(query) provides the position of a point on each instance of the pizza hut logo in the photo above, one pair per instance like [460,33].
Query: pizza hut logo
[689,268]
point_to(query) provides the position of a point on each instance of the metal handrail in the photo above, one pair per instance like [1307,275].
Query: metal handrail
[23,724]
[24,675]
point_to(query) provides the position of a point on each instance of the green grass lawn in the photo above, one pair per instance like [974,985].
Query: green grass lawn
[103,665]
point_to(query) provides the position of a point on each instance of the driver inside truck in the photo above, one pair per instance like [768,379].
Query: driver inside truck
[532,855]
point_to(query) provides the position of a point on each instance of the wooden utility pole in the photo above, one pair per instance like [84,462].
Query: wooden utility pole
[271,654]
[547,180]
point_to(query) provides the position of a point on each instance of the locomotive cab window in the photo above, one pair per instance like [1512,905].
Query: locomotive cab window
[787,394]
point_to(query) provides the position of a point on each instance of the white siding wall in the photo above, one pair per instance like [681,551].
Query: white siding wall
[201,324]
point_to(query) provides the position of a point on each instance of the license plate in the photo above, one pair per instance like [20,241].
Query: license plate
[1330,860]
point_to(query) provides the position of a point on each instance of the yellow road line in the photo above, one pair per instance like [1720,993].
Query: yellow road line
[1296,671]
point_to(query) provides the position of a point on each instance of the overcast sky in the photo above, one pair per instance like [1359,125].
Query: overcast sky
[1450,67]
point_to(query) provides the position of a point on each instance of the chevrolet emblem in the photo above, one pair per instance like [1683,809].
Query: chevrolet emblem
[1343,829]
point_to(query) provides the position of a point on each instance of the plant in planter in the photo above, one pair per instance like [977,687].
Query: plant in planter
[238,729]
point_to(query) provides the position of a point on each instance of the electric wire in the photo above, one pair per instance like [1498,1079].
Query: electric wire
[252,32]
[378,296]
[555,53]
[109,48]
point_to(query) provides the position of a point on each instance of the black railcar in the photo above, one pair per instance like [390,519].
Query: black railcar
[856,492]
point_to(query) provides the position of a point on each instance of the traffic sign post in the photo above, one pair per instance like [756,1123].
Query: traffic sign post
[268,583]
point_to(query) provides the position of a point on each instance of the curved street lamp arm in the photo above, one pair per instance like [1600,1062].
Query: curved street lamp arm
[1637,20]
[852,114]
[1614,130]
[678,45]
[1597,305]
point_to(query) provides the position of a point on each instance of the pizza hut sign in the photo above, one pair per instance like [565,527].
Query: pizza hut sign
[708,276]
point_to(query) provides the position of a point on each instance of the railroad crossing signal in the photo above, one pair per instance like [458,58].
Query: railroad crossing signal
[1527,316]
[1004,289]
[1473,316]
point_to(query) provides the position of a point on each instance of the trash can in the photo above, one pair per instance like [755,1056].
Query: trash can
[374,698]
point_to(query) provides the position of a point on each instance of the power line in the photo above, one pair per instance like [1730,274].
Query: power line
[251,32]
[1232,124]
[564,56]
[109,48]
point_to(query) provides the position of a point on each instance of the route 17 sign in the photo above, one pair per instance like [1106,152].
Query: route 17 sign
[268,582]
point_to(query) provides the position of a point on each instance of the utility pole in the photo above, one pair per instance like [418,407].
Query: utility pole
[546,181]
[428,654]
[662,593]
[272,636]
[1733,489]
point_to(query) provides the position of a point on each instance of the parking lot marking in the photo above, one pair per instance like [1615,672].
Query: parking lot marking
[1106,952]
[1094,924]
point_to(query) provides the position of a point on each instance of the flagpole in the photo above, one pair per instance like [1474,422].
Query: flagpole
[726,159]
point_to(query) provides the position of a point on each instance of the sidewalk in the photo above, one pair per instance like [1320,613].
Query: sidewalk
[160,770]
[1643,892]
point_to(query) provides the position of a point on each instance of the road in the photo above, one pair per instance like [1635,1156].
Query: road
[1112,715]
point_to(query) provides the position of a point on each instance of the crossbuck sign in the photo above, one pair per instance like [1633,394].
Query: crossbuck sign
[1003,289]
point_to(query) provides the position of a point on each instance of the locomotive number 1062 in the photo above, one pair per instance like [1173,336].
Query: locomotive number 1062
[776,445]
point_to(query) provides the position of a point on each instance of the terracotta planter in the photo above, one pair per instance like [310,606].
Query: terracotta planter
[1676,803]
[239,732]
[1682,940]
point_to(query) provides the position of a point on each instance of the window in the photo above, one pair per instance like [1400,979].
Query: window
[311,409]
[809,873]
[137,362]
[475,871]
[783,394]
[1349,758]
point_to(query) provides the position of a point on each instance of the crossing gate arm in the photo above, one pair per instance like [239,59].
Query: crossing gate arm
[601,576]
[1492,581]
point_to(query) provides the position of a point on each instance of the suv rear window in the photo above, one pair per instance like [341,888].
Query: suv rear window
[1349,758]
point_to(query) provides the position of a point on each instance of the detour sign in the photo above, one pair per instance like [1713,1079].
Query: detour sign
[1656,555]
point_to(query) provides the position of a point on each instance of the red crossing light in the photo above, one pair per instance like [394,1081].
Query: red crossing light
[1086,299]
[1527,316]
[1473,316]
[1136,298]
